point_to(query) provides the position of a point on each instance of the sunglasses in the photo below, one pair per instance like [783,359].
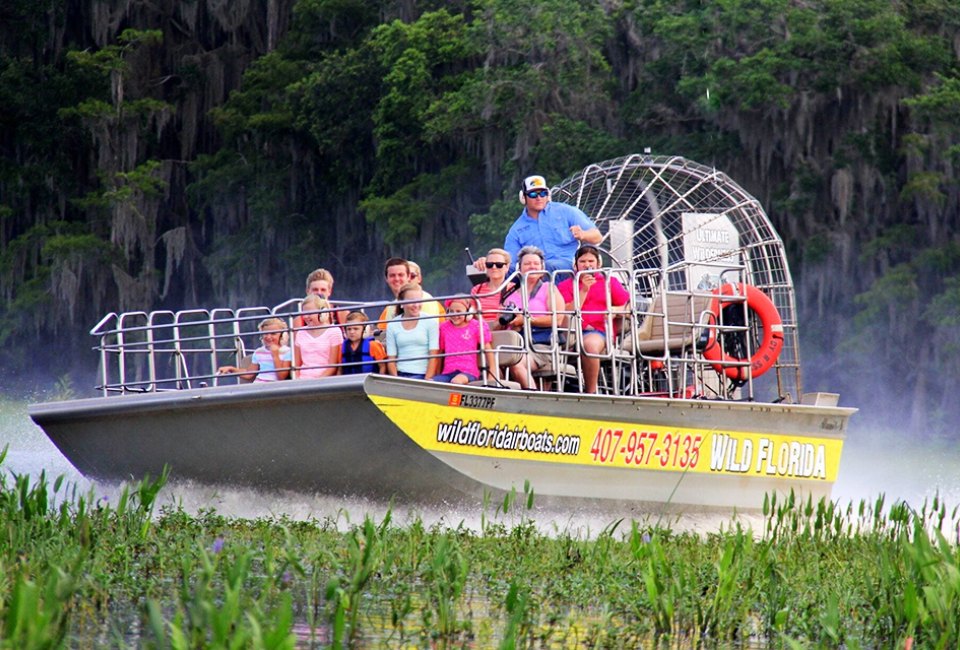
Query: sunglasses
[538,194]
[496,265]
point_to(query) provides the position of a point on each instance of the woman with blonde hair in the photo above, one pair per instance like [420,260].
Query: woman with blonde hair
[492,291]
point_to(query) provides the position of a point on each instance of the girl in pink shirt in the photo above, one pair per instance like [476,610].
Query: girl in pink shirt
[317,345]
[461,339]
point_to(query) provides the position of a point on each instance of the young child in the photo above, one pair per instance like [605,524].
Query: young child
[317,346]
[460,340]
[359,353]
[271,361]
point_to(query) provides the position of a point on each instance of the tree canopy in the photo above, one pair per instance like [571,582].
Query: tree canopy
[184,154]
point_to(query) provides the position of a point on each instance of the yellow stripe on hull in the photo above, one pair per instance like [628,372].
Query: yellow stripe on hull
[478,430]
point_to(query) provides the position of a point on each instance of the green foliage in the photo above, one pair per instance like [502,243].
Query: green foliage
[375,124]
[519,621]
[402,214]
[112,63]
[64,389]
[324,26]
[940,105]
[490,228]
[815,574]
[365,555]
[925,187]
[943,314]
[333,104]
[78,246]
[752,81]
[262,103]
[216,610]
[446,577]
[413,58]
[35,617]
[112,58]
[761,54]
[944,309]
[570,145]
[538,59]
[27,25]
[895,243]
[50,247]
[915,298]
[896,290]
[127,188]
[817,249]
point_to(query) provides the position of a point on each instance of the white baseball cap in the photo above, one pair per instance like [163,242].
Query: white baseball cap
[534,183]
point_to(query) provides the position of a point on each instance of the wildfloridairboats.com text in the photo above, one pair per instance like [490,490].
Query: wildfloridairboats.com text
[503,437]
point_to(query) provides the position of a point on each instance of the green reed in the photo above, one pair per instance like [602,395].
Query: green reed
[344,591]
[75,570]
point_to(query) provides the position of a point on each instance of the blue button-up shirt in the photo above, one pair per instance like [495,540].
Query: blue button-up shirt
[550,232]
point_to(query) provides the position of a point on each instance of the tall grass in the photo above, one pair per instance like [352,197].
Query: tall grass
[76,571]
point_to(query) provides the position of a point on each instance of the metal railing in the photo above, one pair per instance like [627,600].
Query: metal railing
[655,342]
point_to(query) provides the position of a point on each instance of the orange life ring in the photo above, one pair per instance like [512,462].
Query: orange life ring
[770,347]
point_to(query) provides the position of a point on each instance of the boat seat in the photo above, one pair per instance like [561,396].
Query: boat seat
[245,361]
[507,347]
[683,314]
[507,351]
[565,368]
[499,383]
[557,374]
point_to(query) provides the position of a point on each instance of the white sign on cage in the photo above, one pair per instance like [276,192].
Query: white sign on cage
[712,246]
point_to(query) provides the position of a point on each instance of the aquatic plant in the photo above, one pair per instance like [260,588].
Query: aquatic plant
[344,591]
[214,609]
[445,576]
[77,568]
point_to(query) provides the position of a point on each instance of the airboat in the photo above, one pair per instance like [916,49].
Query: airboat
[700,401]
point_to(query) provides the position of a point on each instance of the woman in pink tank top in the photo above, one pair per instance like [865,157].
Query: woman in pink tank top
[543,300]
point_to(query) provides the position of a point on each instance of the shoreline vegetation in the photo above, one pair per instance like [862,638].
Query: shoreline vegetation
[77,571]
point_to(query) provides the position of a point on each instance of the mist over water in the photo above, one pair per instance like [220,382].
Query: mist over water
[898,463]
[874,462]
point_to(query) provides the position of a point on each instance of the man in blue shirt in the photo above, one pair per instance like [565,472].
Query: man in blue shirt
[557,229]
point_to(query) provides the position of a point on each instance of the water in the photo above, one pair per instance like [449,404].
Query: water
[901,467]
[29,451]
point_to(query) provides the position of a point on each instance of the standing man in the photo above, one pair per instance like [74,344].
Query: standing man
[557,229]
